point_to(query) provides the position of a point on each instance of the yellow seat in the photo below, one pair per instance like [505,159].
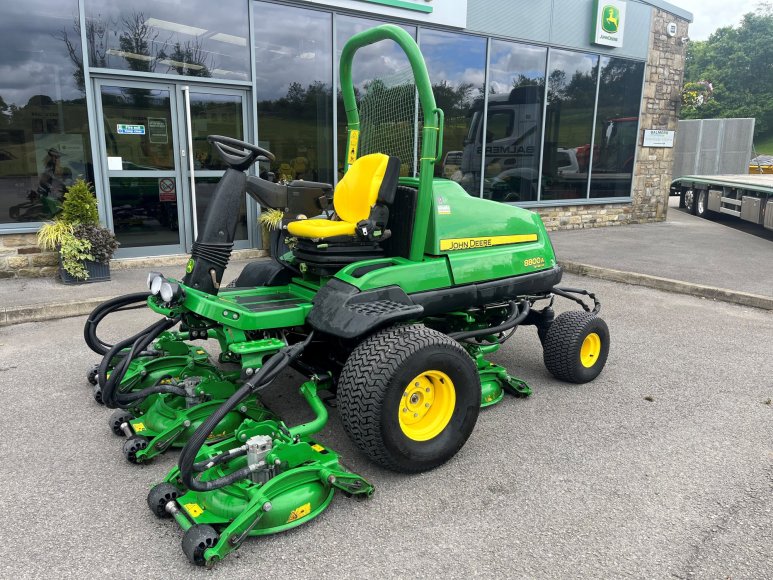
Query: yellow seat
[320,228]
[354,197]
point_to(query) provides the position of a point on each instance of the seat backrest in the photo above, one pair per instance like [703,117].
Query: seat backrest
[370,179]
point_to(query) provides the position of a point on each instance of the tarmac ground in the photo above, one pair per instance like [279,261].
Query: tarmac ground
[662,467]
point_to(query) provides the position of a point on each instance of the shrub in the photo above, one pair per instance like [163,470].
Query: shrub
[103,242]
[80,204]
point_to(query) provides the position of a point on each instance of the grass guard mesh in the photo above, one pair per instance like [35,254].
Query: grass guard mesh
[389,117]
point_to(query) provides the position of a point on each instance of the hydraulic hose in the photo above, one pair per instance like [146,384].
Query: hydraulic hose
[118,304]
[567,293]
[518,312]
[110,396]
[261,379]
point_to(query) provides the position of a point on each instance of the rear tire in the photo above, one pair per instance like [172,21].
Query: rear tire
[576,347]
[409,398]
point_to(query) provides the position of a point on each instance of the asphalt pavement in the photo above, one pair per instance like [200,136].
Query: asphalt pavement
[662,467]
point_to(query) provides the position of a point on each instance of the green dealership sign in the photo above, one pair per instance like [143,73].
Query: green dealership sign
[608,22]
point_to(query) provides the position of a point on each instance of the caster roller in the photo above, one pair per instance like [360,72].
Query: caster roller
[197,540]
[98,394]
[118,418]
[91,375]
[159,496]
[132,445]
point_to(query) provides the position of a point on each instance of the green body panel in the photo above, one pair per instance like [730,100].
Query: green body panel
[473,221]
[226,310]
[410,276]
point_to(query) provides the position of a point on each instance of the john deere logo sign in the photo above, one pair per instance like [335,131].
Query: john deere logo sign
[611,21]
[608,22]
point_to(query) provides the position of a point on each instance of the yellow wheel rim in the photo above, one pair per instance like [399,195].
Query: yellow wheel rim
[590,350]
[427,405]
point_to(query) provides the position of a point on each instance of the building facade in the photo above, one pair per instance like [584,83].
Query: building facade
[546,103]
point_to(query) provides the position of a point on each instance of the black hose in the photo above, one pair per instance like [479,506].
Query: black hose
[218,459]
[118,304]
[518,312]
[110,396]
[567,293]
[261,379]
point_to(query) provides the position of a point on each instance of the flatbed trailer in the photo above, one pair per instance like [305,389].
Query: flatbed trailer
[747,197]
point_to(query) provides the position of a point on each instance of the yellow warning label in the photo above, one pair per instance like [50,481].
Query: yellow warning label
[194,509]
[299,512]
[354,138]
[484,242]
[317,447]
[138,427]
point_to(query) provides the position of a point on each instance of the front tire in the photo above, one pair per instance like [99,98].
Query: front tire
[576,347]
[409,398]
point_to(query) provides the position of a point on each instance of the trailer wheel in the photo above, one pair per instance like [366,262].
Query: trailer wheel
[576,347]
[702,203]
[689,200]
[409,397]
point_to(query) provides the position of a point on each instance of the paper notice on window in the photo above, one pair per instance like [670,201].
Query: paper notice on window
[115,163]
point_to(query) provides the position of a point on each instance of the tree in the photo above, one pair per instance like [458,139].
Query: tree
[738,62]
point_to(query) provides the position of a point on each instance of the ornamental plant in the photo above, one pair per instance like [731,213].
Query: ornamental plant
[695,95]
[76,234]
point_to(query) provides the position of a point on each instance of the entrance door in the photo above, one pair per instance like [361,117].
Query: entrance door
[210,111]
[157,165]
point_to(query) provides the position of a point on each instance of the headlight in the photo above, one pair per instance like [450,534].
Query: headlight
[155,285]
[168,291]
[152,276]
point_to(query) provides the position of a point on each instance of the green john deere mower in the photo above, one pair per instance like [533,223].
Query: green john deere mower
[391,302]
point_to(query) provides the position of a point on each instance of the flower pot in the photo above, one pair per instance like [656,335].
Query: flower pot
[97,273]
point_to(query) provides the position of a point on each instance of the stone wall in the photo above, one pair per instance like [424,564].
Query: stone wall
[20,256]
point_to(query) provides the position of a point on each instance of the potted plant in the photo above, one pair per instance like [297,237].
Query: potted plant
[84,247]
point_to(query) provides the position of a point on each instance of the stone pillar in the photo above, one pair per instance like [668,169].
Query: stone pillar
[661,102]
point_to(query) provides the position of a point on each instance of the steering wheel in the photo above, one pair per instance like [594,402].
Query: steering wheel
[237,154]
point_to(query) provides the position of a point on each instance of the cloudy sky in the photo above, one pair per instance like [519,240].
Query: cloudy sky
[712,14]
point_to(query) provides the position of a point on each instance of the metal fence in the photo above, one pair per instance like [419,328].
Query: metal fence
[713,147]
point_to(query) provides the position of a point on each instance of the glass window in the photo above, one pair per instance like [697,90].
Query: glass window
[385,62]
[44,139]
[125,108]
[456,64]
[294,90]
[569,124]
[169,37]
[513,124]
[141,216]
[616,127]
